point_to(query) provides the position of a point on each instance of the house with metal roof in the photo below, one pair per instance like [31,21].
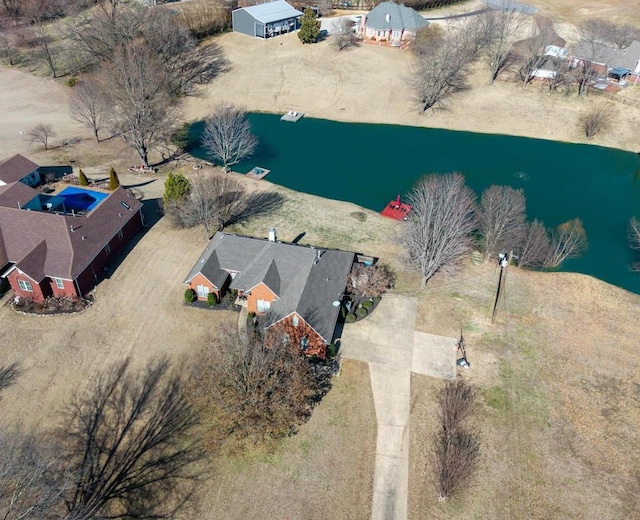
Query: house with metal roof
[57,244]
[298,287]
[391,22]
[266,20]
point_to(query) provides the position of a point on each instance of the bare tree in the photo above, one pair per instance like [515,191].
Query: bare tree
[7,39]
[9,374]
[213,199]
[97,33]
[532,50]
[440,226]
[32,486]
[259,392]
[369,280]
[89,106]
[142,110]
[342,33]
[41,133]
[534,250]
[227,135]
[204,18]
[457,447]
[568,240]
[634,239]
[130,444]
[592,49]
[597,119]
[502,219]
[457,458]
[619,35]
[502,29]
[440,74]
[456,404]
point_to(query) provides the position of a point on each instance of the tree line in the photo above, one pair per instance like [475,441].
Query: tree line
[136,63]
[447,223]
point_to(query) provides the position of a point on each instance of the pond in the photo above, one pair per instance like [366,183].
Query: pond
[369,164]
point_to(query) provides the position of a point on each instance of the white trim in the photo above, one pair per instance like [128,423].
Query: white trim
[25,285]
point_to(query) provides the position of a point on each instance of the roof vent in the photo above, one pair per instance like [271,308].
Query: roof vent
[49,206]
[83,237]
[387,17]
[272,234]
[71,229]
[125,205]
[120,214]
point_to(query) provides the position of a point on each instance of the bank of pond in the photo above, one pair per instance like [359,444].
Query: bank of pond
[369,164]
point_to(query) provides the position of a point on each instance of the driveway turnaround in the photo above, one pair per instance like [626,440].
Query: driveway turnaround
[388,342]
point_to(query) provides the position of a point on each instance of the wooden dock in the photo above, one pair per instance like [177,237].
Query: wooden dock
[257,173]
[292,117]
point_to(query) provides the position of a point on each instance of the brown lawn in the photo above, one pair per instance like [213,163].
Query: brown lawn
[558,372]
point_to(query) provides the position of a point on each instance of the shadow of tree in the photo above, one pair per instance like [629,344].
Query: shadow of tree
[255,205]
[9,374]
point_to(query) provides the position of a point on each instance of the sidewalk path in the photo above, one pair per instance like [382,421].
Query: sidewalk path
[387,341]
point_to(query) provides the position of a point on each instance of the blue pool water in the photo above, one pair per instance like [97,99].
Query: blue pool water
[80,199]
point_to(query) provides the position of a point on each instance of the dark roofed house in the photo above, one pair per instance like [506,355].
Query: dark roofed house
[391,22]
[266,20]
[296,285]
[49,249]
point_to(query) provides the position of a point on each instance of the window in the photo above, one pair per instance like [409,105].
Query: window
[25,286]
[120,235]
[107,249]
[304,344]
[59,283]
[263,305]
[396,34]
[202,290]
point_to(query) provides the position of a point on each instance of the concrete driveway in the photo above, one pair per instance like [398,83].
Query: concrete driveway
[388,342]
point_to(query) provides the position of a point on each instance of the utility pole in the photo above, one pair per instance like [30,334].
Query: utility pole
[503,262]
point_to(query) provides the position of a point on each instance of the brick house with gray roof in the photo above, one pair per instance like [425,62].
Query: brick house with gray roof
[295,285]
[47,250]
[391,22]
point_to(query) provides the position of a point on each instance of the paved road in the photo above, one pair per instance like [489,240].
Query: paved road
[387,341]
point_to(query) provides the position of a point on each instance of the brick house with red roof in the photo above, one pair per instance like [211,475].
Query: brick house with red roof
[48,250]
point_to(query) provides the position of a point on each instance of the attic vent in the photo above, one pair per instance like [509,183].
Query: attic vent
[387,17]
[125,205]
[295,321]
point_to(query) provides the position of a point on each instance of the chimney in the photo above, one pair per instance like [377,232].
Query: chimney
[272,234]
[387,17]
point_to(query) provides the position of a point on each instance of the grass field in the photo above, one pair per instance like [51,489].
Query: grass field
[558,371]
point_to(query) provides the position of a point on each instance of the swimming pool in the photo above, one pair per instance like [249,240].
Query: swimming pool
[81,199]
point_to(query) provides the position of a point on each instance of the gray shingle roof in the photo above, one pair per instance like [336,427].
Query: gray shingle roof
[396,17]
[307,280]
[611,56]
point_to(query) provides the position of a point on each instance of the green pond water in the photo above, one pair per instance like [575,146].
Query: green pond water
[369,164]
